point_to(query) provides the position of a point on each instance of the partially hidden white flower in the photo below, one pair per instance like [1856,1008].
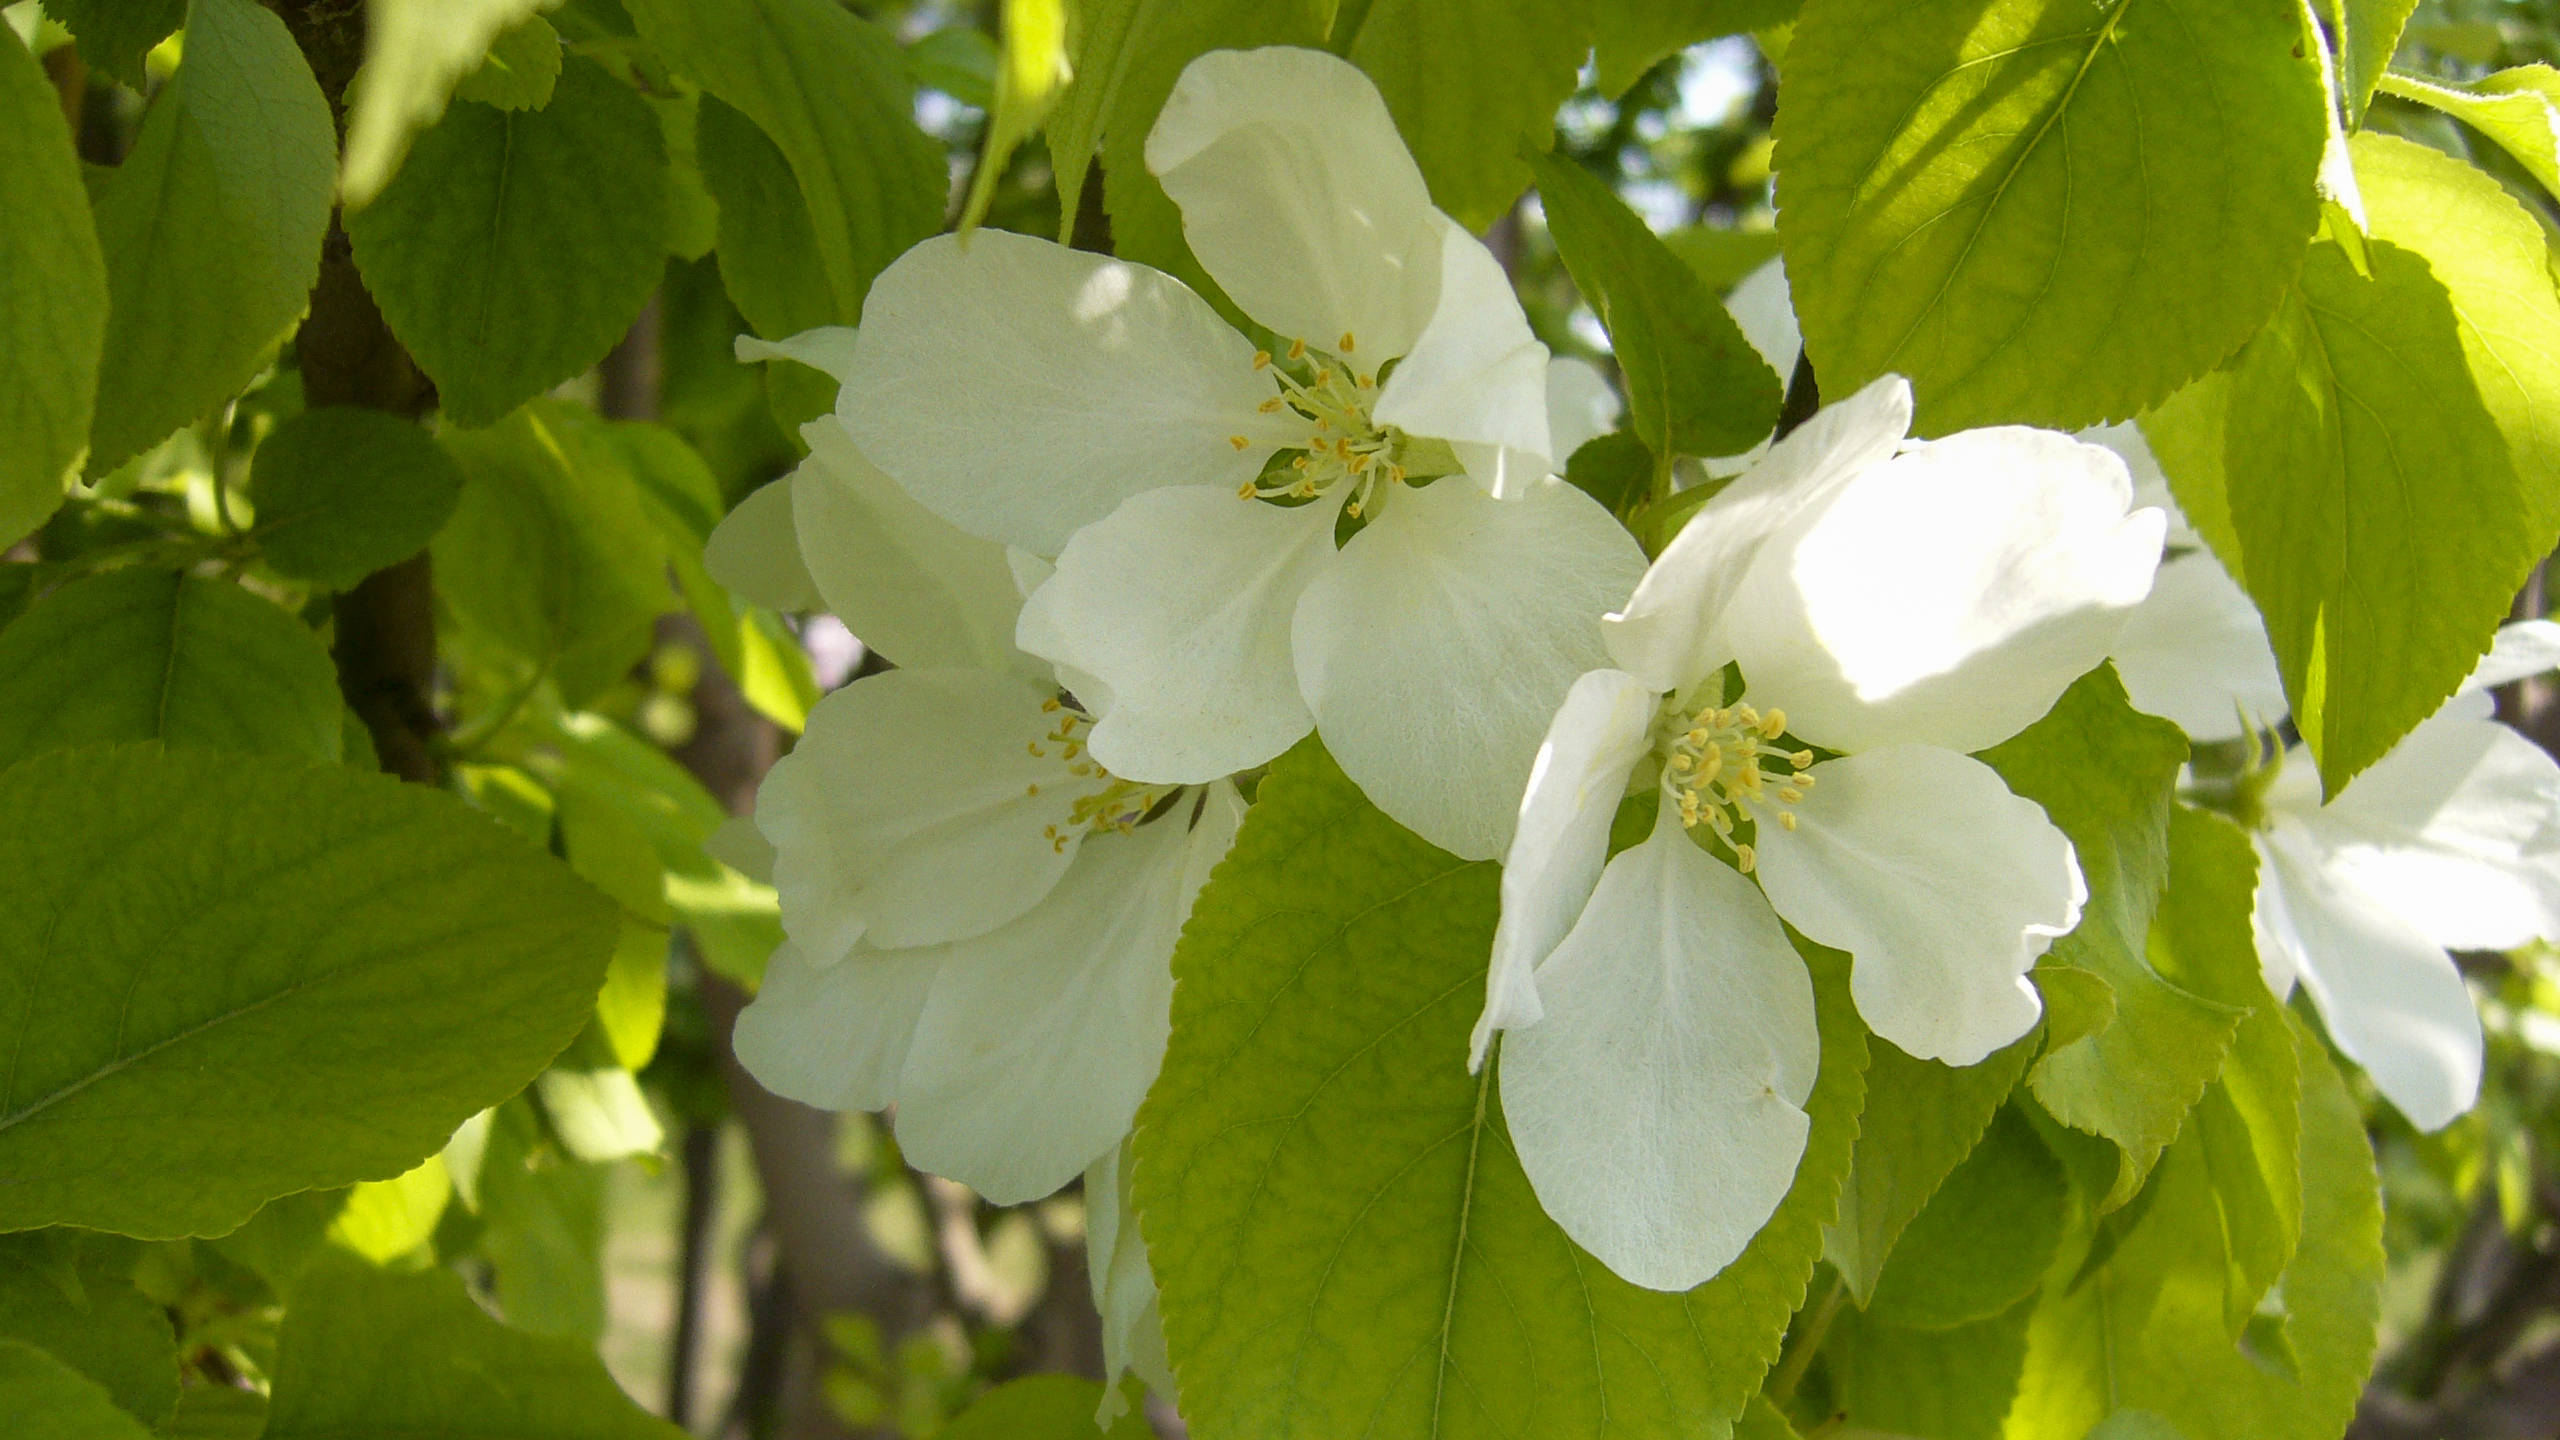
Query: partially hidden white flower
[1890,608]
[1124,1287]
[1195,491]
[2449,842]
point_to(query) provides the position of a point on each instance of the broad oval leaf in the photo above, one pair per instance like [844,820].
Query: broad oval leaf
[1471,84]
[53,298]
[342,492]
[342,967]
[154,655]
[2049,211]
[416,51]
[516,246]
[1343,1237]
[48,1400]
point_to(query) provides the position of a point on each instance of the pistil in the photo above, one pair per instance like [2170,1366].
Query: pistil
[1725,764]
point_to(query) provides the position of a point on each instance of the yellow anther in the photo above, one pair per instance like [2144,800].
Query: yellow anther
[1368,382]
[1774,724]
[1395,474]
[1787,818]
[1261,359]
[1801,759]
[1270,406]
[1297,349]
[1073,749]
[1030,790]
[1345,347]
[1051,706]
[1245,491]
[1681,761]
[1352,509]
[1238,441]
[1790,794]
[1036,752]
[1747,857]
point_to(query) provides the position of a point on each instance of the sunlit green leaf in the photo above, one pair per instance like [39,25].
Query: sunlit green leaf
[1635,35]
[1921,1119]
[1469,82]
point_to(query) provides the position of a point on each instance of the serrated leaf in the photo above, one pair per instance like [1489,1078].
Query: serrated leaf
[2049,211]
[1943,1384]
[2518,108]
[61,1292]
[2368,32]
[48,1400]
[1632,36]
[415,53]
[1469,80]
[515,247]
[767,245]
[1099,41]
[1985,1238]
[211,228]
[367,1352]
[342,967]
[832,91]
[1343,1237]
[53,298]
[1921,1119]
[342,492]
[1694,384]
[2104,772]
[2393,462]
[2143,1331]
[154,655]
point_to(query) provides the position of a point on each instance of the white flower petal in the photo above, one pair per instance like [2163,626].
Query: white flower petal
[2523,648]
[1766,311]
[2392,998]
[1021,389]
[2451,831]
[755,552]
[828,349]
[905,581]
[1946,597]
[1658,1108]
[835,1036]
[1475,375]
[1040,1038]
[1178,606]
[1124,1289]
[1581,405]
[2195,652]
[1436,647]
[1942,886]
[905,815]
[1665,633]
[1599,734]
[1299,198]
[2150,482]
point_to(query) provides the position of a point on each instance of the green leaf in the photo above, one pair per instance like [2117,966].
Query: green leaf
[2104,773]
[342,492]
[1944,1384]
[1099,41]
[1043,1407]
[515,247]
[342,967]
[1694,385]
[415,53]
[48,1400]
[154,655]
[1633,36]
[1468,81]
[211,228]
[386,1219]
[1343,1236]
[1921,1119]
[1030,72]
[2517,108]
[549,552]
[2143,1330]
[767,244]
[520,71]
[115,35]
[1615,469]
[2397,474]
[366,1353]
[832,91]
[63,1293]
[1984,1240]
[544,1214]
[2048,211]
[611,852]
[2249,1121]
[2371,32]
[1761,1420]
[217,1412]
[53,298]
[1721,257]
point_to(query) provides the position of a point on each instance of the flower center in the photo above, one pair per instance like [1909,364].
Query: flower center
[1724,764]
[1344,447]
[1108,802]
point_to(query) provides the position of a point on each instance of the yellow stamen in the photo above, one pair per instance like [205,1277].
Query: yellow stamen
[1297,349]
[1238,441]
[1261,359]
[1345,347]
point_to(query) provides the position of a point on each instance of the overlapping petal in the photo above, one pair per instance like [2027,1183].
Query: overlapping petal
[1658,1106]
[1948,596]
[835,1036]
[2195,652]
[1435,647]
[1475,376]
[1020,389]
[1943,885]
[1562,839]
[1124,1289]
[1581,405]
[1180,603]
[755,552]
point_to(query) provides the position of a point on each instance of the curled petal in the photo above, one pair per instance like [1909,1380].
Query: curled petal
[1475,375]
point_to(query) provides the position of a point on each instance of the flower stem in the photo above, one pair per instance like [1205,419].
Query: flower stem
[1807,1340]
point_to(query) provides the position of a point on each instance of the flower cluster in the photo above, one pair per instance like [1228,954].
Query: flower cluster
[1123,553]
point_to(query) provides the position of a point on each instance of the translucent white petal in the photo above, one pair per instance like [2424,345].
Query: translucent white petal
[1299,198]
[2392,998]
[2523,648]
[1766,311]
[1021,389]
[835,1036]
[1436,647]
[1581,405]
[1658,1108]
[1124,1289]
[907,815]
[1947,596]
[1941,884]
[1475,375]
[2451,831]
[2150,482]
[2195,652]
[755,552]
[828,348]
[907,582]
[1665,633]
[1178,606]
[1562,838]
[1040,1038]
